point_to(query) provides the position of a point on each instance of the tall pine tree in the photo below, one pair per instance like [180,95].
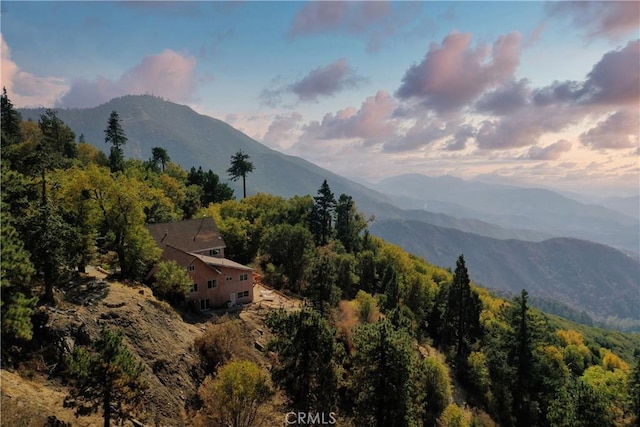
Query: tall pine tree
[322,214]
[114,135]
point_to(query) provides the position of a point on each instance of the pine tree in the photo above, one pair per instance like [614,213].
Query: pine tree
[240,167]
[461,317]
[117,138]
[306,369]
[10,120]
[322,214]
[107,377]
[381,375]
[349,224]
[160,155]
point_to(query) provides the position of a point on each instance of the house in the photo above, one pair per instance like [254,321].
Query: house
[196,245]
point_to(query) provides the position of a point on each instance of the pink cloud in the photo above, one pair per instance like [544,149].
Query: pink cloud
[168,74]
[550,152]
[618,131]
[375,20]
[453,74]
[609,19]
[615,78]
[326,81]
[26,89]
[318,16]
[424,131]
[281,129]
[322,81]
[371,121]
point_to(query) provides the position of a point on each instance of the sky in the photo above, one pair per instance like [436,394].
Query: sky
[543,94]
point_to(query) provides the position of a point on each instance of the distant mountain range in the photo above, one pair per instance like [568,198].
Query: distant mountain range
[584,275]
[480,220]
[537,210]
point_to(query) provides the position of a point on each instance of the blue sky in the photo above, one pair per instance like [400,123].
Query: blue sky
[537,93]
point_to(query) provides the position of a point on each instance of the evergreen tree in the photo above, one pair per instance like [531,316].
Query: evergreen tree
[349,224]
[521,358]
[381,375]
[159,155]
[461,317]
[305,369]
[322,214]
[214,191]
[58,144]
[10,120]
[107,377]
[114,135]
[240,167]
[15,276]
[322,290]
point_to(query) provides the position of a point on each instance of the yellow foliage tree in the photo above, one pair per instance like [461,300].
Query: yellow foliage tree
[234,398]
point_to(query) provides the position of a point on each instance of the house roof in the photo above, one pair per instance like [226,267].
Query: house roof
[221,262]
[189,235]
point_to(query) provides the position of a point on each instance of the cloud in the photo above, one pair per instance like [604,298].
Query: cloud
[169,74]
[510,97]
[615,79]
[374,20]
[452,74]
[609,19]
[321,81]
[326,81]
[424,132]
[26,89]
[620,130]
[371,122]
[550,152]
[317,17]
[281,130]
[460,138]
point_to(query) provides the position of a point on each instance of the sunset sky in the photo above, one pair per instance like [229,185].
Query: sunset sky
[536,93]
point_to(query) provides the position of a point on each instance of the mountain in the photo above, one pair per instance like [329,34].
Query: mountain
[537,210]
[192,139]
[584,275]
[629,206]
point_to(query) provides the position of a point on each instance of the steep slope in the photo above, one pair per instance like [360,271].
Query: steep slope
[196,140]
[585,275]
[192,139]
[533,209]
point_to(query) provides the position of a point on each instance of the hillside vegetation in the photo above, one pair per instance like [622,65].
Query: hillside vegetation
[383,337]
[194,140]
[587,276]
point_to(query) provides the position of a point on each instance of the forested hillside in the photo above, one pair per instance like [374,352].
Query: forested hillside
[587,276]
[384,338]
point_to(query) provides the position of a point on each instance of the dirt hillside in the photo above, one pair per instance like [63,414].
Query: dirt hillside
[35,390]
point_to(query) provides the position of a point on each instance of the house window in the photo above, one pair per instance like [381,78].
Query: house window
[229,278]
[243,294]
[212,283]
[204,304]
[191,268]
[213,252]
[244,277]
[194,287]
